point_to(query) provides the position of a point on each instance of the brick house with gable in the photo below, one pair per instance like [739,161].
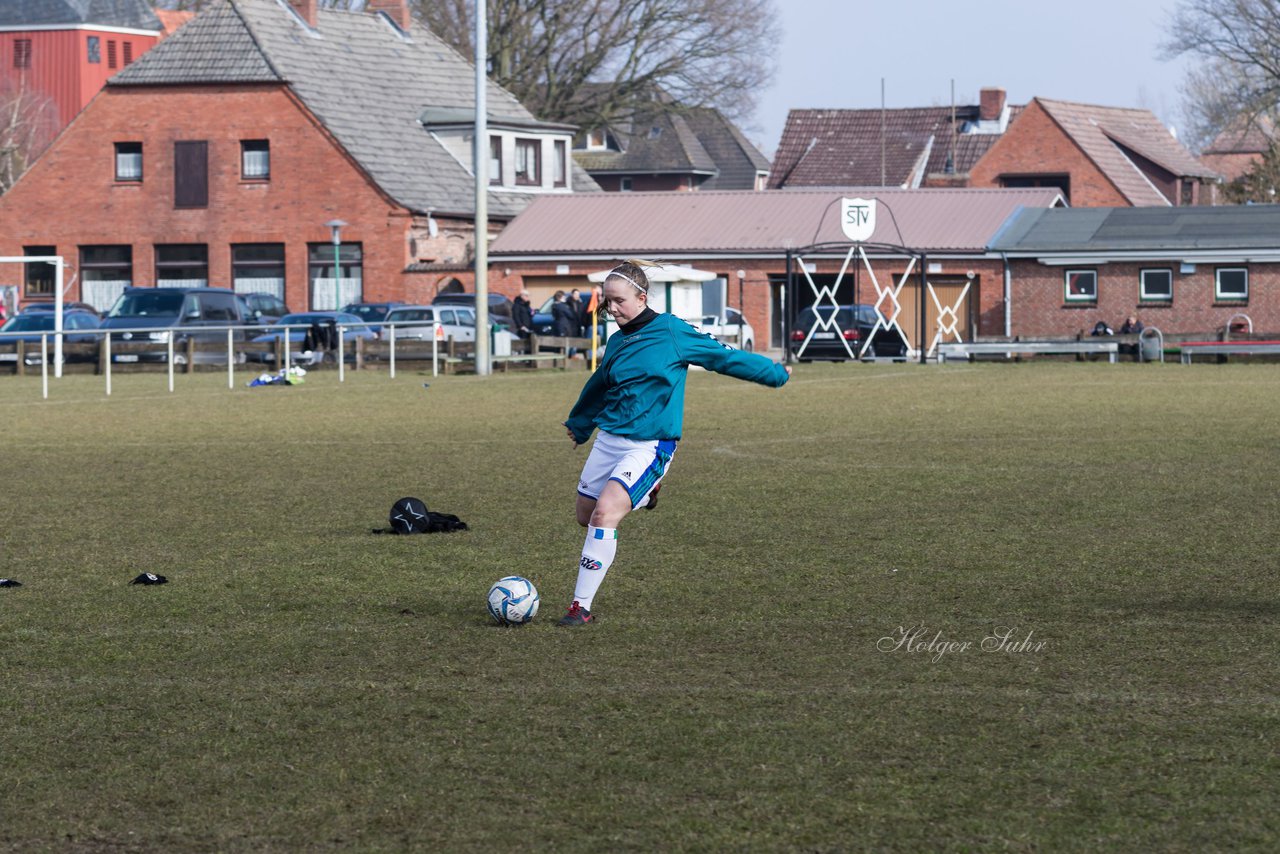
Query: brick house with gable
[219,156]
[1097,156]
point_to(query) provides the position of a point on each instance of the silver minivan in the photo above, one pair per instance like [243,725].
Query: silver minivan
[415,322]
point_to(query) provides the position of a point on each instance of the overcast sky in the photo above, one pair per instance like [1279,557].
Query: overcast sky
[834,53]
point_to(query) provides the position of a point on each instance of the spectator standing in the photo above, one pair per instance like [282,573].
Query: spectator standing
[522,314]
[575,305]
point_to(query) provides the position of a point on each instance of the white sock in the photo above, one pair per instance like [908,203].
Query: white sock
[597,556]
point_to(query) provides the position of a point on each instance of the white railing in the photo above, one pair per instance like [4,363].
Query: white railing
[166,336]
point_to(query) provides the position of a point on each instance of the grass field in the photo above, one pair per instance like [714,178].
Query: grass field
[790,651]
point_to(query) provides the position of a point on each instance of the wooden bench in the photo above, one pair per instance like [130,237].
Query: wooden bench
[1010,349]
[1228,348]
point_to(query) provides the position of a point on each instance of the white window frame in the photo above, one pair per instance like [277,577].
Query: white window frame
[1146,296]
[597,139]
[1066,286]
[1230,297]
[128,159]
[255,161]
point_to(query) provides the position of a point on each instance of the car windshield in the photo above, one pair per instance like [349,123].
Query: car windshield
[403,314]
[368,312]
[148,304]
[30,323]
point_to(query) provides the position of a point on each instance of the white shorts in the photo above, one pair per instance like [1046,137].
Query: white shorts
[638,466]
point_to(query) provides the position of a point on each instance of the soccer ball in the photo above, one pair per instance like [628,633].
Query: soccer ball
[513,601]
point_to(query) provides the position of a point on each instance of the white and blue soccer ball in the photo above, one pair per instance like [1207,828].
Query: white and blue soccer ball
[513,601]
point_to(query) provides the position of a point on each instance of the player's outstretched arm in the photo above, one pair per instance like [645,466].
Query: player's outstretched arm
[698,348]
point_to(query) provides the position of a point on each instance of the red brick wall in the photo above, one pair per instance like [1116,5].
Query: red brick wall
[1035,144]
[1040,310]
[69,198]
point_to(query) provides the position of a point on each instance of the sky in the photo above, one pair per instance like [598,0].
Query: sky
[835,52]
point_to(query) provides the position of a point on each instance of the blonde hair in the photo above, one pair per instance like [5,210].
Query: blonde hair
[632,272]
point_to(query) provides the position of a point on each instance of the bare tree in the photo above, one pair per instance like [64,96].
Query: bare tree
[592,61]
[1260,184]
[1238,42]
[28,123]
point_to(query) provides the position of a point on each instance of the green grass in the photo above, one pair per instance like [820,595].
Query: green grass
[303,684]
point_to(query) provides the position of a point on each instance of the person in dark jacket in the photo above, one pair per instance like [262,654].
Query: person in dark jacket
[522,315]
[566,319]
[574,301]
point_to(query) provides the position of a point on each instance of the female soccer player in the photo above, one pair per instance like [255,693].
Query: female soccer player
[636,398]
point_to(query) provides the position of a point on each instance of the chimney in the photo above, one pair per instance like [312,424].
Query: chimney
[396,10]
[990,104]
[306,10]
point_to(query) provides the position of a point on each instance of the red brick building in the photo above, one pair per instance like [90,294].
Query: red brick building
[744,238]
[1186,271]
[220,156]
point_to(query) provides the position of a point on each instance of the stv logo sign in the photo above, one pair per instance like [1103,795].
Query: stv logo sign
[858,218]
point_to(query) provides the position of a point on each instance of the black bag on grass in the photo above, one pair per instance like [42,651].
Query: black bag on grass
[411,516]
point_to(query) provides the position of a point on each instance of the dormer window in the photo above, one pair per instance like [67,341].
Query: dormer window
[597,139]
[655,132]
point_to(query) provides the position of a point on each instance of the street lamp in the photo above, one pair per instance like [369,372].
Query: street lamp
[335,229]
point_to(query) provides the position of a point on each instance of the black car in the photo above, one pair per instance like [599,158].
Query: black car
[151,316]
[855,324]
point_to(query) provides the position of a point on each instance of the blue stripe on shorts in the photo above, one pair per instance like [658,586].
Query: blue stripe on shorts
[652,474]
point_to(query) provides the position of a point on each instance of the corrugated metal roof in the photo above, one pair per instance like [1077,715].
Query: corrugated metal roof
[658,224]
[1139,229]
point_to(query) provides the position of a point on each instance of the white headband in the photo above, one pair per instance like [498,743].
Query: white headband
[629,280]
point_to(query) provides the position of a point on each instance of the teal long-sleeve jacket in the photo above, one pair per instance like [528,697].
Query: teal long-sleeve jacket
[638,390]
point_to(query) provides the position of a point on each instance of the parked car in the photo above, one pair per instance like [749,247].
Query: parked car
[499,306]
[371,312]
[260,308]
[26,327]
[34,307]
[855,323]
[152,315]
[415,322]
[315,323]
[731,325]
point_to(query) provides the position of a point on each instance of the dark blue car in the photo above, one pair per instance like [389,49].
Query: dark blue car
[27,327]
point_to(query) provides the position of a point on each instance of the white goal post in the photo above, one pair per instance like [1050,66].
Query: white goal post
[59,267]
